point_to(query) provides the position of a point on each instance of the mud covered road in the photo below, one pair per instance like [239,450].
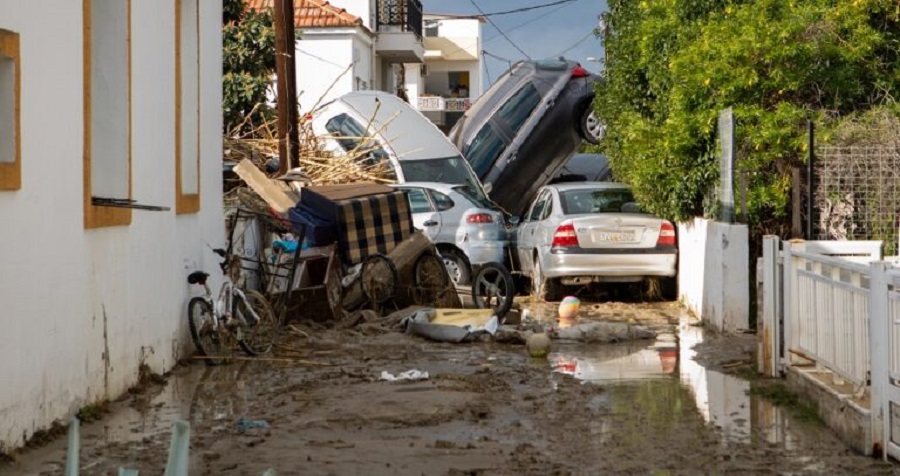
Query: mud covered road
[646,407]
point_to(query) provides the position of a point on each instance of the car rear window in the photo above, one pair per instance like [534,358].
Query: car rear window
[477,200]
[484,150]
[612,200]
[516,111]
[450,170]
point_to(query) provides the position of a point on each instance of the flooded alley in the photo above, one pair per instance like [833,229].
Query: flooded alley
[669,405]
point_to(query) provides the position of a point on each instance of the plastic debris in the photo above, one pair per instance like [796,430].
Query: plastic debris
[244,425]
[408,375]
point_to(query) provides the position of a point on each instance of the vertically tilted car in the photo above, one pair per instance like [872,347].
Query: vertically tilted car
[576,234]
[523,130]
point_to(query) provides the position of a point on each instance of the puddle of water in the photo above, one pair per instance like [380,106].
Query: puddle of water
[665,368]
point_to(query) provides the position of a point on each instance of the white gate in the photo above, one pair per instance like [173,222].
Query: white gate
[885,336]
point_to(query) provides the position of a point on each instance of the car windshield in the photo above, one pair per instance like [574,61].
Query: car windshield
[609,200]
[450,170]
[484,150]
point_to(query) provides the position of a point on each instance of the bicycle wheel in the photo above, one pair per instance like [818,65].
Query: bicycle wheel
[430,278]
[378,278]
[206,338]
[492,288]
[256,339]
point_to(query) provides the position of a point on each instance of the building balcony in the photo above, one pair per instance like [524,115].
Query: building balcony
[442,104]
[399,27]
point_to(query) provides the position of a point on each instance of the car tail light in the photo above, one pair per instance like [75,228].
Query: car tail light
[666,235]
[479,218]
[565,236]
[579,72]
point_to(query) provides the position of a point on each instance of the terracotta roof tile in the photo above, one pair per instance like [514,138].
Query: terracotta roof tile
[313,13]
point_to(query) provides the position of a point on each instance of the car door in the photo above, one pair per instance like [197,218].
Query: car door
[525,239]
[424,216]
[449,217]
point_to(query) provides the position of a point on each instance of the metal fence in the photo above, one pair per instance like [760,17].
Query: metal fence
[857,194]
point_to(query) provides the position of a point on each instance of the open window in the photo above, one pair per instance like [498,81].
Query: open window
[187,106]
[10,128]
[107,112]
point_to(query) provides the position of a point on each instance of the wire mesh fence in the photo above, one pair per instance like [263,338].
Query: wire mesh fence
[857,194]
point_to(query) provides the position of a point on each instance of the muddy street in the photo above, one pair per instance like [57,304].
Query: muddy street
[642,407]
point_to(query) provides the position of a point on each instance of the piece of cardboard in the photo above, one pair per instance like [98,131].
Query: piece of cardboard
[269,190]
[348,191]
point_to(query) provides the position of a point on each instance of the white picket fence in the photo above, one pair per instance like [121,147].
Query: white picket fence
[836,305]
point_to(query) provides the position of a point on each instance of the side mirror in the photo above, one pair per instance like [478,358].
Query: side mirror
[488,187]
[514,221]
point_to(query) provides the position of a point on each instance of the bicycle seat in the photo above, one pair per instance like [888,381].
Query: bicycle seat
[198,277]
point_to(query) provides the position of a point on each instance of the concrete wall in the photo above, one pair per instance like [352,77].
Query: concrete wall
[714,273]
[83,309]
[321,62]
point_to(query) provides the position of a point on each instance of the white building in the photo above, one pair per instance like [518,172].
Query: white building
[352,45]
[102,102]
[450,79]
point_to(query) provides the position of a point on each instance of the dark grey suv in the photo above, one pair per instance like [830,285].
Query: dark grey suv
[524,129]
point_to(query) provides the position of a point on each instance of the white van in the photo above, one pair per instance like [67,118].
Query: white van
[415,148]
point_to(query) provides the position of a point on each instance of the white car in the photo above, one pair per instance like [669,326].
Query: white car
[415,149]
[467,231]
[576,234]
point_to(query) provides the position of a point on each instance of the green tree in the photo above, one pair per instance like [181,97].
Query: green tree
[249,65]
[673,64]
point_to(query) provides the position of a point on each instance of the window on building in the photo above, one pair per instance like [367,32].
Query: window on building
[10,129]
[107,111]
[187,112]
[431,28]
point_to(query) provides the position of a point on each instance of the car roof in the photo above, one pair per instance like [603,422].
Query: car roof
[439,186]
[411,135]
[565,187]
[505,86]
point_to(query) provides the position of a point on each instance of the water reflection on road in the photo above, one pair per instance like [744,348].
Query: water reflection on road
[666,366]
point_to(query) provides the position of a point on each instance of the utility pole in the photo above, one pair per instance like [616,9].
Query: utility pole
[288,137]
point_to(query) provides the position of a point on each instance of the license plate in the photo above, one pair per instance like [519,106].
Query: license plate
[616,236]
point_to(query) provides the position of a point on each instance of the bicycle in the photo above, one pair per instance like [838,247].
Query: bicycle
[247,317]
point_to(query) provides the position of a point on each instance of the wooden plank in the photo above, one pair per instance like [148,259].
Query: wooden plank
[268,189]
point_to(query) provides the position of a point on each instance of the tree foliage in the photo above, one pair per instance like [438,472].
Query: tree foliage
[674,64]
[249,65]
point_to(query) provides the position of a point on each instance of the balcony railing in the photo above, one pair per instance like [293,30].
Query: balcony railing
[399,15]
[437,103]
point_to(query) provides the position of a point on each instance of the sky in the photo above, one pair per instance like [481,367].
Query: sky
[541,33]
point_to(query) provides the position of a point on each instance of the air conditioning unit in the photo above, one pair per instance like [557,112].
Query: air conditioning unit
[423,70]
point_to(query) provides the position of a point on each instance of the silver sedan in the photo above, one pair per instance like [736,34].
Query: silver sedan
[575,234]
[464,227]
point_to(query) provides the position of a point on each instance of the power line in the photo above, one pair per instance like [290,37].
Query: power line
[580,41]
[499,30]
[523,9]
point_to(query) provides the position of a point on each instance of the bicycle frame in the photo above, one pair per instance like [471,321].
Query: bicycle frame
[224,308]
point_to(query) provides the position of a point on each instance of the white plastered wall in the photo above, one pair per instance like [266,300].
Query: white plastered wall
[714,272]
[83,309]
[322,63]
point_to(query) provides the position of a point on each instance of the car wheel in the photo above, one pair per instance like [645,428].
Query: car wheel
[457,267]
[545,289]
[592,130]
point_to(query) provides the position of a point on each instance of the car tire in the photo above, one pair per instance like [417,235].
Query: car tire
[545,289]
[457,267]
[589,126]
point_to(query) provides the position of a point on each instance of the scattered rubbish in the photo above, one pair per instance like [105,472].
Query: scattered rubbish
[452,325]
[179,447]
[408,375]
[604,332]
[244,425]
[273,193]
[538,345]
[568,311]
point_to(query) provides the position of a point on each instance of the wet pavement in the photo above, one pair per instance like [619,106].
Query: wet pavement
[643,407]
